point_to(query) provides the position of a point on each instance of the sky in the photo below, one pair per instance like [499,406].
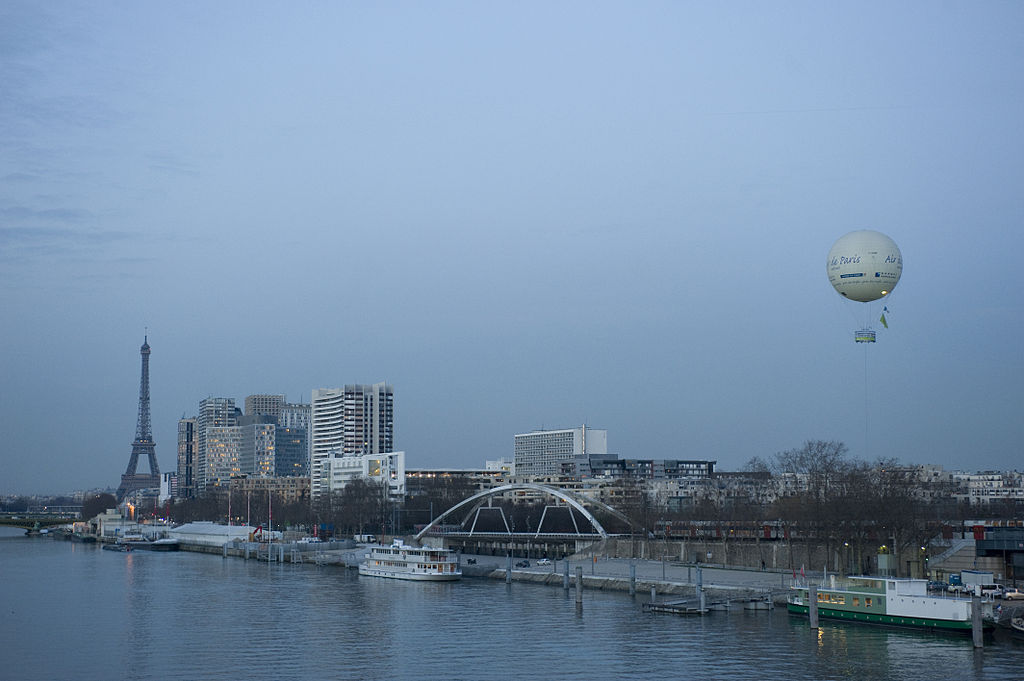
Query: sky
[522,216]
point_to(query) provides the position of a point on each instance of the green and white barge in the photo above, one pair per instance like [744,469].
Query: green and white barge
[891,602]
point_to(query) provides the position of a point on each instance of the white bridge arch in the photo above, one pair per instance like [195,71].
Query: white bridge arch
[569,498]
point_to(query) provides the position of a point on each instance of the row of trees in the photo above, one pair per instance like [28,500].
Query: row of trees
[847,506]
[21,504]
[854,504]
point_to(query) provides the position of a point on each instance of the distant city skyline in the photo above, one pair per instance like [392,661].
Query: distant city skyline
[521,217]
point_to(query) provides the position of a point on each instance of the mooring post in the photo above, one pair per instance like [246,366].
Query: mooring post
[976,632]
[812,605]
[632,579]
[579,586]
[701,599]
[565,577]
[225,550]
[654,594]
[508,570]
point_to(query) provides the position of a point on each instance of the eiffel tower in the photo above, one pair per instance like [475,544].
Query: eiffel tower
[143,445]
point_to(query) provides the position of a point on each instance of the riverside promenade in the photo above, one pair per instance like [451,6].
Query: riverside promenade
[666,577]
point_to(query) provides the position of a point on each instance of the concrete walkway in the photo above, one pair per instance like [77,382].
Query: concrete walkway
[665,576]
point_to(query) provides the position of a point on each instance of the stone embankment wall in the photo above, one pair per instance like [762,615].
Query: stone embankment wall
[777,555]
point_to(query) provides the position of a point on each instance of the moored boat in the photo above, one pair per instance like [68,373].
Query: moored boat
[421,563]
[892,602]
[123,548]
[166,544]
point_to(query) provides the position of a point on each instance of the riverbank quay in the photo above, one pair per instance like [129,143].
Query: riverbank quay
[666,578]
[340,553]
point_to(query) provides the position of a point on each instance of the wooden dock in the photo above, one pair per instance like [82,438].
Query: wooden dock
[691,606]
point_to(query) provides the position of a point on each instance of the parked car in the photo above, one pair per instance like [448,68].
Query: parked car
[1012,593]
[523,563]
[544,561]
[991,590]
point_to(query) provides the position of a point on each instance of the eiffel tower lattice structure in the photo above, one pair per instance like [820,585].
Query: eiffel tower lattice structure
[143,445]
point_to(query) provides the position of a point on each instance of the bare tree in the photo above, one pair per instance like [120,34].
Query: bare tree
[362,505]
[825,468]
[97,504]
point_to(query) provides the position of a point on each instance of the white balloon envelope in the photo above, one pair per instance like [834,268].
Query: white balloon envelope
[864,265]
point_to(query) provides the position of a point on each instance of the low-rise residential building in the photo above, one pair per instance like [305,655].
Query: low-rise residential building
[290,489]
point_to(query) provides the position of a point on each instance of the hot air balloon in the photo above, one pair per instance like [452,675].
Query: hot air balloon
[864,266]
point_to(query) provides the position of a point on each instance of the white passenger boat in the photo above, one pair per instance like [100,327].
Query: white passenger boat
[400,561]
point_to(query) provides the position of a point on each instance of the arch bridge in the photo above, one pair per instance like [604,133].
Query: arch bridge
[482,527]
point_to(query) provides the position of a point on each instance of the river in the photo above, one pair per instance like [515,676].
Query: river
[72,611]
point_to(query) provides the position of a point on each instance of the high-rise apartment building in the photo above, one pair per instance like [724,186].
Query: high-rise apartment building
[548,452]
[267,405]
[354,420]
[214,412]
[294,415]
[258,454]
[224,455]
[186,458]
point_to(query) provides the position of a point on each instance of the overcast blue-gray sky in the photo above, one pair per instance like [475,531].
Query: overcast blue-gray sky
[521,216]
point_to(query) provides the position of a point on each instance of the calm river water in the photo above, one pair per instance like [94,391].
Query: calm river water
[72,611]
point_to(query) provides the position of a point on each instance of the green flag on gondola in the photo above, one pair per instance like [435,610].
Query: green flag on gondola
[882,319]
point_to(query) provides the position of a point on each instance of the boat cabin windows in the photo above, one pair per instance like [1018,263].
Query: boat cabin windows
[836,599]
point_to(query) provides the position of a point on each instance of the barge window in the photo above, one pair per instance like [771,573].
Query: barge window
[867,602]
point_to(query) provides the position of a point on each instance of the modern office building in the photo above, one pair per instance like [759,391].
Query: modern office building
[168,487]
[550,452]
[292,452]
[281,451]
[351,421]
[295,420]
[337,470]
[610,466]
